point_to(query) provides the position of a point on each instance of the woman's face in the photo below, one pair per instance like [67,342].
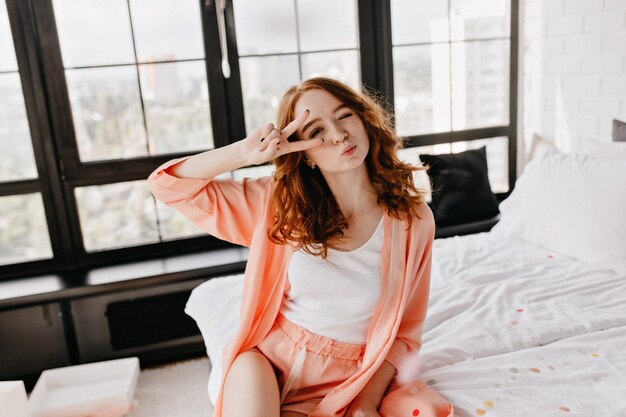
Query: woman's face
[341,128]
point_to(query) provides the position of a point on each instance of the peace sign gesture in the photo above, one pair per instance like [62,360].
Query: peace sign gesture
[267,142]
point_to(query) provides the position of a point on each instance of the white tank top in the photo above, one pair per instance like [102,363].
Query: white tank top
[335,297]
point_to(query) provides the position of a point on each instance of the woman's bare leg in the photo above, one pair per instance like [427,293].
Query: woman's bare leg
[251,388]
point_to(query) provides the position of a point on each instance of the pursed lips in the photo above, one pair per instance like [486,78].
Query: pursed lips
[348,149]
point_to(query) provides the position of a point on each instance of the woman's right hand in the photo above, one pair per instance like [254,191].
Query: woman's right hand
[267,142]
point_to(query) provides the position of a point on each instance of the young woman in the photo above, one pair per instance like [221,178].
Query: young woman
[336,284]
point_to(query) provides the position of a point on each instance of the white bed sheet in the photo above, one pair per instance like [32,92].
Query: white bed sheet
[512,329]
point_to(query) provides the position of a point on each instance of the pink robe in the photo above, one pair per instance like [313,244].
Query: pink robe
[240,212]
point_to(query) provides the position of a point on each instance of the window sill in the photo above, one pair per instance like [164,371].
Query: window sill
[55,287]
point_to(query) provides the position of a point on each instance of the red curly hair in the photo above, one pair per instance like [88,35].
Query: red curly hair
[306,214]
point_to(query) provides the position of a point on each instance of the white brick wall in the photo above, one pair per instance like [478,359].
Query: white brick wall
[572,78]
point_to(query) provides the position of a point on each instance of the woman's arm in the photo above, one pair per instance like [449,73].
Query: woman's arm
[224,208]
[212,163]
[408,341]
[259,147]
[368,400]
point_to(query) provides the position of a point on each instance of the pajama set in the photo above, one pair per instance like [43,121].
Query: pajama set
[324,351]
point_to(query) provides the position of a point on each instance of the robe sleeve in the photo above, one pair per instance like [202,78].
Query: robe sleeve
[225,208]
[408,341]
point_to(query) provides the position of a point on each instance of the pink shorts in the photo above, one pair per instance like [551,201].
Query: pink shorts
[308,366]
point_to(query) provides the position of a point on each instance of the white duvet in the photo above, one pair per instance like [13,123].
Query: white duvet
[512,330]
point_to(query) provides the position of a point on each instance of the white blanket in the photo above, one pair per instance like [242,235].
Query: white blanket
[511,330]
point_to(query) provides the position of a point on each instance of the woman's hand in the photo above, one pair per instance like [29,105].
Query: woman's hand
[362,408]
[267,142]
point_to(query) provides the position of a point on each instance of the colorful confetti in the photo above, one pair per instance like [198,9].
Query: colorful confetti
[563,408]
[416,412]
[513,322]
[515,370]
[550,256]
[535,370]
[595,355]
[414,390]
[480,411]
[488,404]
[551,367]
[519,310]
[596,378]
[431,382]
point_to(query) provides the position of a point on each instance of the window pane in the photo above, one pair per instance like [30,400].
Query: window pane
[419,21]
[7,51]
[23,229]
[116,215]
[479,19]
[497,159]
[422,89]
[480,84]
[17,161]
[167,30]
[174,225]
[262,93]
[176,102]
[327,24]
[265,27]
[342,65]
[93,32]
[107,113]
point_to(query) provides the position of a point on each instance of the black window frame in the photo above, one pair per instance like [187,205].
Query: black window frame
[60,170]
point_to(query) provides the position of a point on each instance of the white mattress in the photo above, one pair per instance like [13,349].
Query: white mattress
[512,330]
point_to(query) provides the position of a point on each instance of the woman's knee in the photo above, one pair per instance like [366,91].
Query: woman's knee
[251,377]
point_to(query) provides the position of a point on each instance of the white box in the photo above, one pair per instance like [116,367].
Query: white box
[99,389]
[13,402]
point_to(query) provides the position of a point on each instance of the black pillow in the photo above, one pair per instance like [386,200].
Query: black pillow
[619,131]
[461,190]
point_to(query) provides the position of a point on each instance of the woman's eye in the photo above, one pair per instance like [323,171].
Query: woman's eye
[315,132]
[343,116]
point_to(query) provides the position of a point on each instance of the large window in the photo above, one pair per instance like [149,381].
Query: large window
[94,96]
[451,74]
[24,233]
[137,88]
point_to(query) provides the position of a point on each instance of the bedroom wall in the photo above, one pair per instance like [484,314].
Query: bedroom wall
[572,74]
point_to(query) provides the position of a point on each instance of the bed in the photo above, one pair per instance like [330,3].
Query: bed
[522,320]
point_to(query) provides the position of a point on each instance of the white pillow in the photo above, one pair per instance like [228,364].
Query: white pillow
[215,306]
[572,204]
